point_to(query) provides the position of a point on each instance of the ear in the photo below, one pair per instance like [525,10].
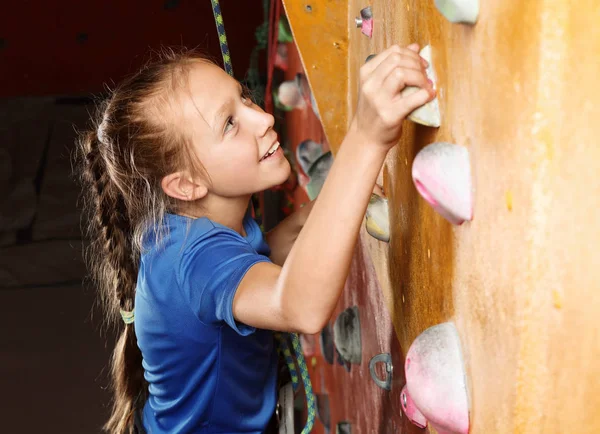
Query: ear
[179,186]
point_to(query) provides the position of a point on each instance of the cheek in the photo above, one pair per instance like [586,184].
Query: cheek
[233,161]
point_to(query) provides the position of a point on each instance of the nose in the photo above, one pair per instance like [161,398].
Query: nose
[262,120]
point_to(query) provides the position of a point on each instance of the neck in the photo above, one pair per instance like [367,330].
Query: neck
[226,211]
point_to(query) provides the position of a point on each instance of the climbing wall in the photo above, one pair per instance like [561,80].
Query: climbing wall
[520,282]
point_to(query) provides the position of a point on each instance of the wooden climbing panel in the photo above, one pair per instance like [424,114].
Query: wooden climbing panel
[521,282]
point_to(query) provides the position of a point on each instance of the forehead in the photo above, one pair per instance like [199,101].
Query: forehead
[209,87]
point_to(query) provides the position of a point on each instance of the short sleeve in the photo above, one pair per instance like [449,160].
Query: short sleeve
[212,269]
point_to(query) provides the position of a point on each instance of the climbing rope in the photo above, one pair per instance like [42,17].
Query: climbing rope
[284,350]
[282,338]
[216,7]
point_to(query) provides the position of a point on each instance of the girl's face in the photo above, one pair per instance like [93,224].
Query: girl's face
[232,137]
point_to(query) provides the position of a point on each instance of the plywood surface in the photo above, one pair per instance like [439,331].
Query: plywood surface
[521,282]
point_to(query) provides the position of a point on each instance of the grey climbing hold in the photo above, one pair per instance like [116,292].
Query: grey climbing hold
[326,341]
[307,152]
[369,57]
[346,335]
[459,11]
[318,173]
[386,383]
[343,428]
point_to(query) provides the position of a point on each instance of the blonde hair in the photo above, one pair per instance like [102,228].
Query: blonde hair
[122,159]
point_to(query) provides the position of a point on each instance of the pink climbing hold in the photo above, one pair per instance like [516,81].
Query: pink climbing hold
[411,410]
[442,176]
[435,381]
[367,28]
[365,21]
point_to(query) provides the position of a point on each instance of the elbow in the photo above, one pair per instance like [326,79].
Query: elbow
[312,327]
[307,323]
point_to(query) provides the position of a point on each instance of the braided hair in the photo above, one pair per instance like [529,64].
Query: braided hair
[132,145]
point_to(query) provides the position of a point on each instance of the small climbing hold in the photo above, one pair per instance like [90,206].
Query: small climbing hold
[307,152]
[459,11]
[326,341]
[323,413]
[346,335]
[309,99]
[317,174]
[428,114]
[435,381]
[442,175]
[286,409]
[385,358]
[281,57]
[296,94]
[340,361]
[289,94]
[557,299]
[509,200]
[365,21]
[378,220]
[411,411]
[307,342]
[343,428]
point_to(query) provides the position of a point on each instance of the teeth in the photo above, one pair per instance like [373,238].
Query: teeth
[272,149]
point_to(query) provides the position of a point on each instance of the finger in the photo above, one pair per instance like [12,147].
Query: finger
[414,47]
[394,62]
[367,69]
[399,78]
[410,103]
[375,60]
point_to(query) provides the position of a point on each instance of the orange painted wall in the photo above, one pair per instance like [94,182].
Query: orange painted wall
[522,281]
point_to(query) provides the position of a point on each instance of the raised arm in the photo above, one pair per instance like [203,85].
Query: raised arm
[301,295]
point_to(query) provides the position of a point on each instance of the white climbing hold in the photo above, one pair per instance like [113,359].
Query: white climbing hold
[290,95]
[435,379]
[442,175]
[286,409]
[428,114]
[378,219]
[459,11]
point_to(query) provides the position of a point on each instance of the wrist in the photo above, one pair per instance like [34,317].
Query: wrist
[364,142]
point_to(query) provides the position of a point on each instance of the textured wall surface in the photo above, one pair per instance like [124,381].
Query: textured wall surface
[521,281]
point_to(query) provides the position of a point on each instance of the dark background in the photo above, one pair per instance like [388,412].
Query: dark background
[53,57]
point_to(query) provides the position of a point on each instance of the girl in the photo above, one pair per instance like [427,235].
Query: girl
[176,153]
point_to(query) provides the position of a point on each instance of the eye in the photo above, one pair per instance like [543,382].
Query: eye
[229,124]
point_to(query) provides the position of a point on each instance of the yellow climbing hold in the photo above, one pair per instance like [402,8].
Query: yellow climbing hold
[313,362]
[509,200]
[557,299]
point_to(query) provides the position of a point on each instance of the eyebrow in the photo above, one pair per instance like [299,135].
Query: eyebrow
[220,113]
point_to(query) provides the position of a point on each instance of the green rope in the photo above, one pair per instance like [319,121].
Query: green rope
[216,7]
[283,344]
[284,349]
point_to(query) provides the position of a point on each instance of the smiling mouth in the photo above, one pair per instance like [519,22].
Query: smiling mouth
[271,151]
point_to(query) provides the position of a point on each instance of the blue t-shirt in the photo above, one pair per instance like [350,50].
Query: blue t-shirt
[207,372]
